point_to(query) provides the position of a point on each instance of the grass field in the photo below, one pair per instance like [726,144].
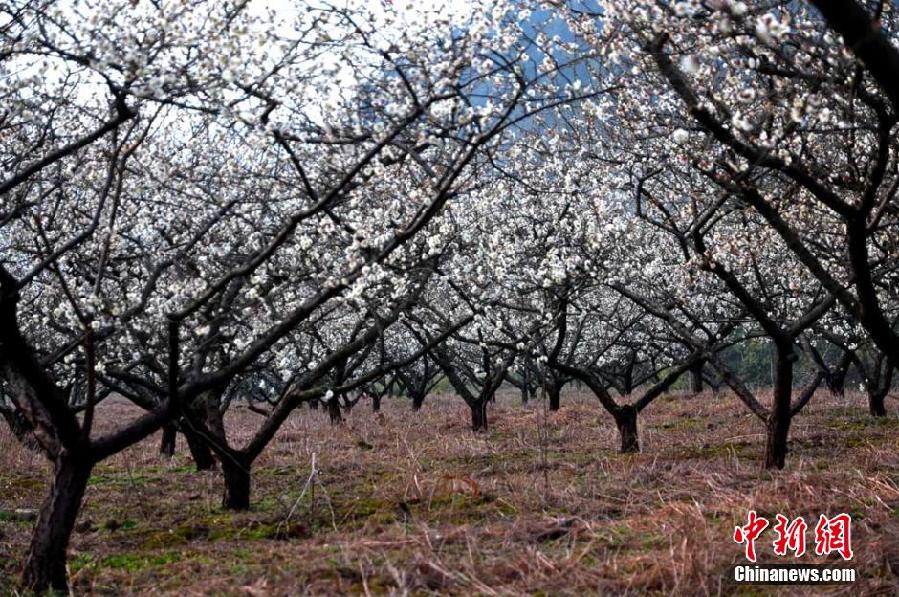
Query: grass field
[416,503]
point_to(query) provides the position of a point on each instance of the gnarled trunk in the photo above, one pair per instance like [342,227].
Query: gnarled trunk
[418,400]
[478,415]
[169,436]
[554,391]
[199,450]
[626,420]
[525,385]
[334,411]
[236,470]
[876,405]
[836,383]
[627,381]
[696,377]
[876,396]
[45,564]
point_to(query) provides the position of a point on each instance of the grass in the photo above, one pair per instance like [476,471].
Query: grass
[542,504]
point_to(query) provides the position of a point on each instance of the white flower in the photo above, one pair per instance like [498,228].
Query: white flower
[742,123]
[769,30]
[689,64]
[739,9]
[680,136]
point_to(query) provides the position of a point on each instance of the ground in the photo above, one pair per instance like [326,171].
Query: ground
[417,503]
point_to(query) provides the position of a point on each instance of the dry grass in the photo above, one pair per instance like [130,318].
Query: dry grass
[542,504]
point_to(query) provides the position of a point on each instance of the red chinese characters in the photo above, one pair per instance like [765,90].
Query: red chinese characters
[790,537]
[834,535]
[750,532]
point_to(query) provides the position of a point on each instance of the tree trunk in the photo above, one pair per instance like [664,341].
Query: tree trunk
[836,383]
[626,420]
[236,471]
[334,411]
[780,417]
[554,389]
[876,405]
[45,564]
[479,415]
[376,403]
[199,450]
[696,377]
[776,445]
[525,386]
[418,401]
[169,436]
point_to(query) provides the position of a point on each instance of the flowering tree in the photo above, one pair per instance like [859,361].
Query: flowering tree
[791,119]
[195,191]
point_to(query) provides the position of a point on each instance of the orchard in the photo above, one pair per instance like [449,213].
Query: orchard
[424,241]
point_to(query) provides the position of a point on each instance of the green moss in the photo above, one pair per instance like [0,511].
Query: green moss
[862,423]
[113,525]
[725,450]
[129,562]
[119,480]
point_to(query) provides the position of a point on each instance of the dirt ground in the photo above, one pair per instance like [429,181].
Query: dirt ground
[416,503]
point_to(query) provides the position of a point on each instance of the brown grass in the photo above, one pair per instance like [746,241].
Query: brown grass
[416,503]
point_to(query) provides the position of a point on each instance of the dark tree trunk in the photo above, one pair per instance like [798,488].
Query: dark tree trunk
[554,389]
[418,401]
[626,420]
[836,383]
[376,403]
[199,450]
[876,405]
[779,420]
[236,471]
[696,377]
[479,415]
[627,382]
[525,385]
[169,436]
[885,369]
[334,411]
[45,564]
[313,404]
[776,445]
